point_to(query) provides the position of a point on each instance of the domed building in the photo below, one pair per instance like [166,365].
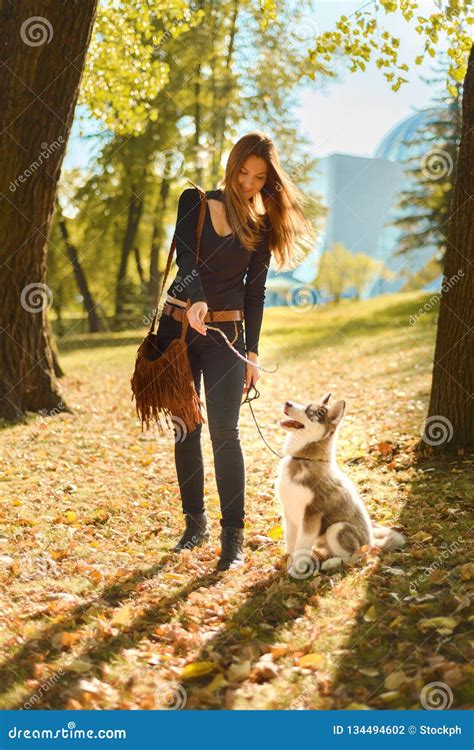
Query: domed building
[396,145]
[399,145]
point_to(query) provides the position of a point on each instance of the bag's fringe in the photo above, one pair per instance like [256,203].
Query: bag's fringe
[166,385]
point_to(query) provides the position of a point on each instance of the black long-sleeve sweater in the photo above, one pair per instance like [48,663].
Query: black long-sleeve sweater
[228,276]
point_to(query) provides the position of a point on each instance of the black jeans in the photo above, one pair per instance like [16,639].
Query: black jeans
[224,377]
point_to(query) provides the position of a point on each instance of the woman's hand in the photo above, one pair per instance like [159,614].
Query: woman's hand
[196,314]
[252,373]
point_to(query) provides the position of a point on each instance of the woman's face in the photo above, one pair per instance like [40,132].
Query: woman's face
[252,175]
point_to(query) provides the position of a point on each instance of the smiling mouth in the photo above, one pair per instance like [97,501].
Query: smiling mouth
[291,424]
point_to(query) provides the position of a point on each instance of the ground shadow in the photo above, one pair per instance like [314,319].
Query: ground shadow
[267,612]
[259,598]
[20,667]
[396,649]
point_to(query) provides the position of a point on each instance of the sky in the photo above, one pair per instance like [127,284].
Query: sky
[353,113]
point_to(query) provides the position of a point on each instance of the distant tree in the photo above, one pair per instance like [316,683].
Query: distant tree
[334,273]
[363,269]
[430,271]
[425,202]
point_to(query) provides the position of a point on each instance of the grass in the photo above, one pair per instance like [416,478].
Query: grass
[96,613]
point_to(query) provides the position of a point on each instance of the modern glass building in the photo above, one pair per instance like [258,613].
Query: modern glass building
[361,196]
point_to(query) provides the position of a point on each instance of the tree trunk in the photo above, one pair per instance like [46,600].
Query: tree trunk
[138,262]
[43,60]
[58,370]
[227,89]
[198,126]
[80,277]
[157,242]
[135,208]
[450,423]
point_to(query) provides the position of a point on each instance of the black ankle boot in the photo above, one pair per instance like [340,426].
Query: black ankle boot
[195,533]
[232,553]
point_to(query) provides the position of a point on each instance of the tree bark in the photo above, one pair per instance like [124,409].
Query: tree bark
[89,305]
[138,263]
[450,423]
[43,59]
[157,242]
[135,208]
[58,370]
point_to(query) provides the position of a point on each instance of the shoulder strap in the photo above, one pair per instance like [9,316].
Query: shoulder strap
[200,224]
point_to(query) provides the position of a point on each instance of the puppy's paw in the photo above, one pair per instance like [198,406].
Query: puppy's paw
[322,553]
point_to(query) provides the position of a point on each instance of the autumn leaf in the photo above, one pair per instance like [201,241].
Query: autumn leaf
[123,616]
[311,661]
[444,625]
[197,669]
[370,614]
[65,639]
[275,533]
[395,680]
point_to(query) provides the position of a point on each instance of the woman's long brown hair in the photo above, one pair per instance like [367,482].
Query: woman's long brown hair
[291,234]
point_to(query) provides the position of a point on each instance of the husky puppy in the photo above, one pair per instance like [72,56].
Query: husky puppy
[321,505]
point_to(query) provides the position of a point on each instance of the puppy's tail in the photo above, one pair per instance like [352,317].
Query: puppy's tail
[388,539]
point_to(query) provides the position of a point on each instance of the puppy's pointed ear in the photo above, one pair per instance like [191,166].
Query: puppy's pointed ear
[336,412]
[325,398]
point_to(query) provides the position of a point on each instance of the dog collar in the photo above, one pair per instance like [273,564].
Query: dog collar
[303,458]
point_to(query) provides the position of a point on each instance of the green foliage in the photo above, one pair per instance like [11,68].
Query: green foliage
[212,75]
[363,35]
[334,275]
[424,276]
[424,205]
[341,270]
[125,69]
[363,270]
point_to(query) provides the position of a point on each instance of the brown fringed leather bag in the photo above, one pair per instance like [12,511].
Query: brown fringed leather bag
[163,381]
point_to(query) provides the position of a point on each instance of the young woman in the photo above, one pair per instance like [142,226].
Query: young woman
[255,214]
